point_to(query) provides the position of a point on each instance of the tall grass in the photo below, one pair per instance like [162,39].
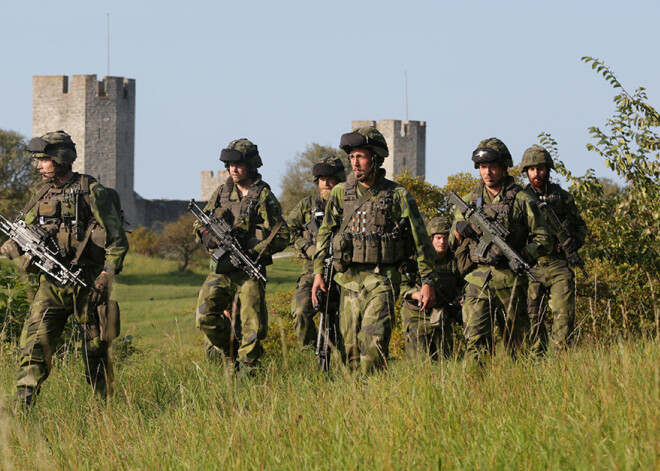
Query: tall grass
[593,408]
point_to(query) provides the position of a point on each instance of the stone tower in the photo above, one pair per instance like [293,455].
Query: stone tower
[100,117]
[406,142]
[211,182]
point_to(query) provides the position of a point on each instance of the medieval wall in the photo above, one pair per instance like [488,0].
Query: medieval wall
[406,141]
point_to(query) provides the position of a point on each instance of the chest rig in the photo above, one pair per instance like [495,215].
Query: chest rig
[369,233]
[66,215]
[502,211]
[241,214]
[311,227]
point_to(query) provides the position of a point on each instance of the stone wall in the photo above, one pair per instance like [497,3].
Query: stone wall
[406,142]
[211,182]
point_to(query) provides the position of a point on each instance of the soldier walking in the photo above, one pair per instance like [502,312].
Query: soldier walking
[79,216]
[369,220]
[555,278]
[231,306]
[304,222]
[493,292]
[429,333]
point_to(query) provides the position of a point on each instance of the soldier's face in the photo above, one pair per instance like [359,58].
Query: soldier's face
[440,243]
[46,168]
[326,183]
[361,160]
[538,175]
[238,172]
[492,173]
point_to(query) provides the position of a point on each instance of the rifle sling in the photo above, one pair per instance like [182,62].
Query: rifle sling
[269,239]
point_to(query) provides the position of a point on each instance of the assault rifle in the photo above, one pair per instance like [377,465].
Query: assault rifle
[36,242]
[329,315]
[562,232]
[228,245]
[492,233]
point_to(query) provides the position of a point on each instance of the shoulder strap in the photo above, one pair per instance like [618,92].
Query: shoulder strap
[30,204]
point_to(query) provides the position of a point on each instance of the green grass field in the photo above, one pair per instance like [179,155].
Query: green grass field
[597,407]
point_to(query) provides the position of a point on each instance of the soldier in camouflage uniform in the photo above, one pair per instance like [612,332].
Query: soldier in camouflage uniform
[493,292]
[80,216]
[231,306]
[556,279]
[304,222]
[368,221]
[429,333]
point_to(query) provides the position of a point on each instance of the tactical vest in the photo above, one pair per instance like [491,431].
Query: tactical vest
[242,215]
[557,202]
[65,213]
[502,211]
[370,234]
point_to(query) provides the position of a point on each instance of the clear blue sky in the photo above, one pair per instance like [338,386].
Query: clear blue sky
[289,73]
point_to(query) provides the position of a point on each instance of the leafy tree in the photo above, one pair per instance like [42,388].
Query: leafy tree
[144,241]
[177,240]
[18,175]
[430,198]
[298,182]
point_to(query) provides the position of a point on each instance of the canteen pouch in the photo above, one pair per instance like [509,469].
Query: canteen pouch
[109,320]
[342,247]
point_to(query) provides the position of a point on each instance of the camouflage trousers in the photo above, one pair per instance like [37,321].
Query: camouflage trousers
[303,311]
[50,310]
[485,307]
[239,337]
[427,334]
[555,288]
[365,322]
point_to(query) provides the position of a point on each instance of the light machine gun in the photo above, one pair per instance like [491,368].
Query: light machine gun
[228,245]
[492,233]
[36,242]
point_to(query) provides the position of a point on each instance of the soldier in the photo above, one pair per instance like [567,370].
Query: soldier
[304,222]
[231,306]
[493,291]
[555,278]
[79,215]
[368,221]
[430,333]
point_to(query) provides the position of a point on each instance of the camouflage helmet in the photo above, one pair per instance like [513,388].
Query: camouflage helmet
[57,146]
[492,150]
[536,155]
[329,166]
[241,150]
[438,225]
[367,137]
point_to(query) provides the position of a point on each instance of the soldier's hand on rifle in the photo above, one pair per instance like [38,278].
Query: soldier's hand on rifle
[570,245]
[10,249]
[465,229]
[319,284]
[208,240]
[426,298]
[101,288]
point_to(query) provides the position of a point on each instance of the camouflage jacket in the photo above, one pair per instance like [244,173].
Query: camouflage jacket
[252,228]
[403,207]
[106,245]
[450,282]
[530,235]
[563,205]
[304,226]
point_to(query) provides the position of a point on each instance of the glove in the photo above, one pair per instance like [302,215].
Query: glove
[465,229]
[570,245]
[10,249]
[101,288]
[209,241]
[27,266]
